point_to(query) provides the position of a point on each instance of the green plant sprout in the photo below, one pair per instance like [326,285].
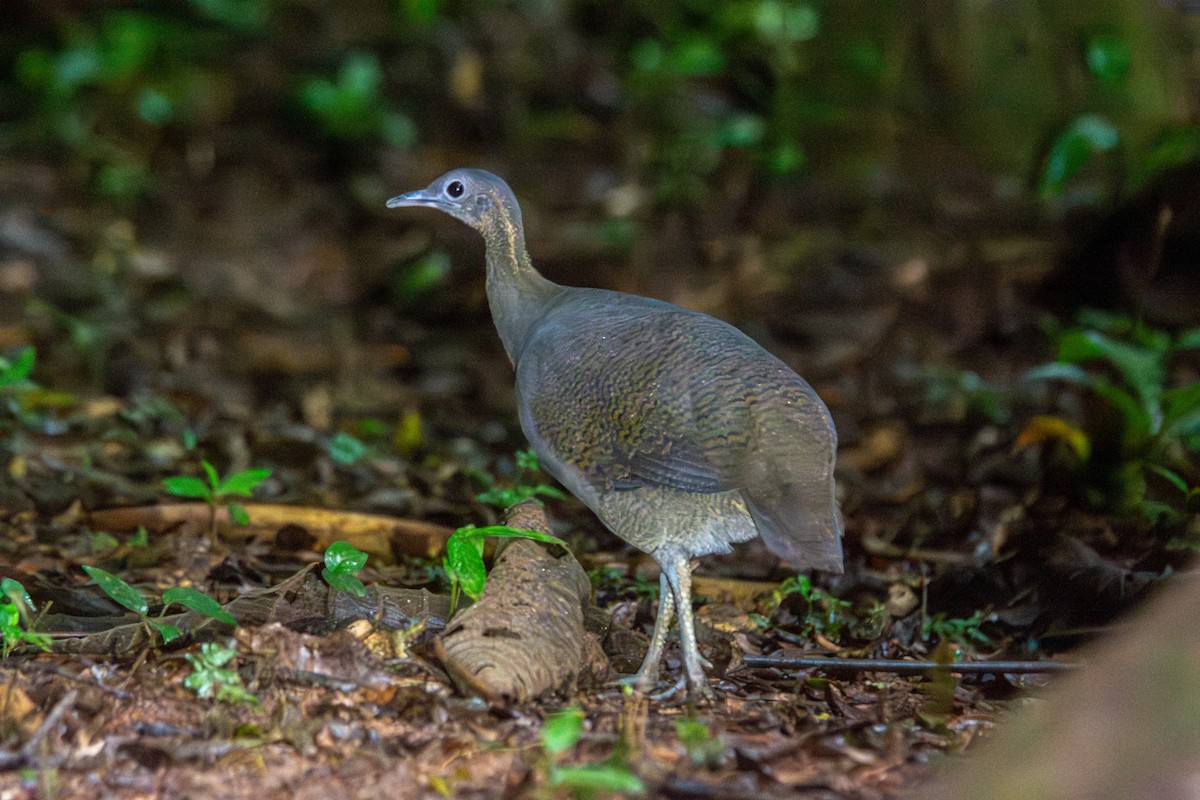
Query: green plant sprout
[217,491]
[523,488]
[1084,137]
[353,107]
[964,631]
[129,597]
[704,749]
[345,449]
[464,557]
[197,601]
[1146,430]
[616,579]
[18,392]
[15,372]
[560,733]
[210,677]
[342,562]
[824,614]
[16,623]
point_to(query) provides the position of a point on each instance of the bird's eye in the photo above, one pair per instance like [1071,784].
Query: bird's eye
[455,189]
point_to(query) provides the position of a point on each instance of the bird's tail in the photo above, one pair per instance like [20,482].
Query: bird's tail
[802,525]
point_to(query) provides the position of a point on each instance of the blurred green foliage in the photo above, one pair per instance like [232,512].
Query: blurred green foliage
[676,93]
[352,107]
[1136,449]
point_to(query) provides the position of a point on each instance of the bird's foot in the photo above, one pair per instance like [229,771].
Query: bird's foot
[680,690]
[641,681]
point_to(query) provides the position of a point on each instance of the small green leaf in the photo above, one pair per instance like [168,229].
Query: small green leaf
[1188,340]
[188,438]
[118,590]
[168,632]
[1083,138]
[140,538]
[19,369]
[198,601]
[344,582]
[1108,58]
[243,483]
[1071,373]
[528,460]
[345,449]
[344,558]
[1142,368]
[464,554]
[187,486]
[15,591]
[588,779]
[1170,476]
[213,655]
[562,731]
[464,564]
[214,480]
[1182,407]
[422,276]
[696,55]
[104,542]
[238,514]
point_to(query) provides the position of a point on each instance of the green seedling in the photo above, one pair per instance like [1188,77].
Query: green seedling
[103,542]
[210,677]
[1084,137]
[140,539]
[342,563]
[964,631]
[464,557]
[353,107]
[823,613]
[20,396]
[15,372]
[217,491]
[16,619]
[1137,452]
[704,749]
[523,486]
[345,449]
[560,733]
[129,597]
[197,601]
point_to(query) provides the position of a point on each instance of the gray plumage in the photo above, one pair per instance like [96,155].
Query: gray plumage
[680,432]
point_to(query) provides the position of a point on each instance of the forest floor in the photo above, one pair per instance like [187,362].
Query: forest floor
[265,319]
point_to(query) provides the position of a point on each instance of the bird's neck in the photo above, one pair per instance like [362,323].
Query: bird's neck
[517,293]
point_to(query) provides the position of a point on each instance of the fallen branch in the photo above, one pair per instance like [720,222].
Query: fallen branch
[897,667]
[317,528]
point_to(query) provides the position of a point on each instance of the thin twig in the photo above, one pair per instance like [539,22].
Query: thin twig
[31,747]
[908,667]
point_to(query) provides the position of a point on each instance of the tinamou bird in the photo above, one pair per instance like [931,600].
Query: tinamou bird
[677,430]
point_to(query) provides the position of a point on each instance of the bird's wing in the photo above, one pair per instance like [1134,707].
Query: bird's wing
[625,395]
[641,393]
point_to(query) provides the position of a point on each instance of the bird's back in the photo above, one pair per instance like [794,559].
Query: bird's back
[660,418]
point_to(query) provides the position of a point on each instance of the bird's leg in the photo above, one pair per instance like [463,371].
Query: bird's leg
[678,573]
[647,675]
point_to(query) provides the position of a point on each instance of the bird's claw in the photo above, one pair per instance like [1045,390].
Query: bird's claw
[697,692]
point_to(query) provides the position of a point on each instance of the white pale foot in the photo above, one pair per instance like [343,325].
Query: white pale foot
[678,573]
[647,675]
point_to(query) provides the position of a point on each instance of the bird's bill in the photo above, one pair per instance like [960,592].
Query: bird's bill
[417,198]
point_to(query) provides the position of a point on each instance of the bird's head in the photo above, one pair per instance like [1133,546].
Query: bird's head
[474,196]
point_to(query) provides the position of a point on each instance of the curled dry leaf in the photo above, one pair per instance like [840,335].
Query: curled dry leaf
[525,636]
